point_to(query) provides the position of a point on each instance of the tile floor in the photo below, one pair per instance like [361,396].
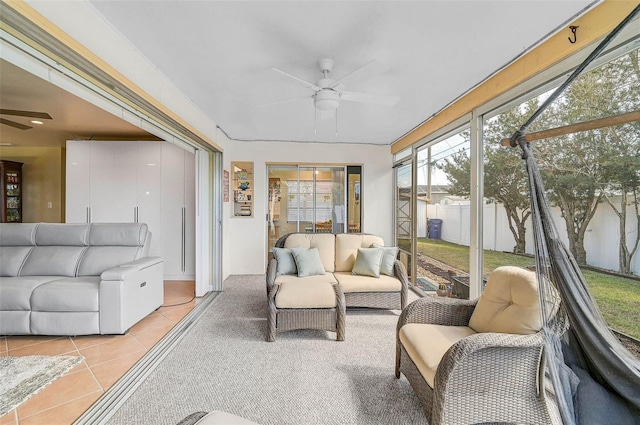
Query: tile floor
[107,358]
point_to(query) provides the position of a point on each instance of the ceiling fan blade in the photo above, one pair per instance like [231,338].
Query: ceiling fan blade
[376,99]
[14,124]
[30,114]
[306,83]
[366,71]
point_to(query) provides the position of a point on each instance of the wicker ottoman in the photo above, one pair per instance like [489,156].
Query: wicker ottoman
[306,305]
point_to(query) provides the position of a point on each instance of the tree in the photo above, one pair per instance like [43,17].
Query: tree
[622,164]
[582,169]
[623,171]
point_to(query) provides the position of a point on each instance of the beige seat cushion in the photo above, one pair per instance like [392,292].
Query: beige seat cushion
[325,242]
[305,293]
[354,283]
[509,303]
[347,249]
[426,345]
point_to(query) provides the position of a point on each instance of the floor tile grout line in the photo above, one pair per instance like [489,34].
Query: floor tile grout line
[59,404]
[34,343]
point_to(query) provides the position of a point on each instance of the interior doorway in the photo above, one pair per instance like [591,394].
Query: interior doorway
[313,199]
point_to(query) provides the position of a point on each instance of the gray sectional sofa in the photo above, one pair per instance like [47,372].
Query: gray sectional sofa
[76,279]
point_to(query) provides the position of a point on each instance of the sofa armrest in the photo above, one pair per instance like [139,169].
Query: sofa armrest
[438,311]
[121,272]
[129,292]
[271,274]
[510,370]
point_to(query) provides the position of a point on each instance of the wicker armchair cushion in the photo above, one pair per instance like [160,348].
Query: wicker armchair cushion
[313,293]
[426,344]
[325,242]
[509,304]
[353,283]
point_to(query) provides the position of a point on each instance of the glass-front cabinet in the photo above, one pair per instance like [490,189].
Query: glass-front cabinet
[11,175]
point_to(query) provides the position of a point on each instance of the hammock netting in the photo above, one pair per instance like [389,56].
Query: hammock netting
[580,349]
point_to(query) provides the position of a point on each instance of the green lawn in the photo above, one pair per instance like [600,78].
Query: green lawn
[617,297]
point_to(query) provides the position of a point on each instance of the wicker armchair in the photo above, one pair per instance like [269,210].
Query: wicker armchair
[467,376]
[287,319]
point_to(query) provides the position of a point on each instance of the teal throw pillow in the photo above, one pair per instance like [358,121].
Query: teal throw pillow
[368,262]
[388,259]
[308,261]
[286,263]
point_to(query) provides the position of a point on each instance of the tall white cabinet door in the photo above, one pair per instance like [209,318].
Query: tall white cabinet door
[78,181]
[174,212]
[114,173]
[149,192]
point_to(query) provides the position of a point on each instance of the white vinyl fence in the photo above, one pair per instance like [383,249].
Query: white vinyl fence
[601,240]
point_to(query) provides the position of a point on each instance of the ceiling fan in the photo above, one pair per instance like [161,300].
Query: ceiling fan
[28,114]
[328,93]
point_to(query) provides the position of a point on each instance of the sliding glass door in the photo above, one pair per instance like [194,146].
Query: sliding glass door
[312,199]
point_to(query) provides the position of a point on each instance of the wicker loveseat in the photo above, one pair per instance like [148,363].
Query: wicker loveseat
[290,295]
[477,361]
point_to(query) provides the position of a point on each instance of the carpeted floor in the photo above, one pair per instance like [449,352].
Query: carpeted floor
[304,377]
[23,377]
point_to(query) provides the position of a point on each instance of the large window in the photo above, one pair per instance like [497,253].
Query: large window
[592,181]
[443,214]
[591,175]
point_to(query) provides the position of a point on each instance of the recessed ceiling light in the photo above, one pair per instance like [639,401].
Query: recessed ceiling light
[36,122]
[6,144]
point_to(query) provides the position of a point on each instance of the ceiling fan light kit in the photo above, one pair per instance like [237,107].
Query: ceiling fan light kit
[327,100]
[329,92]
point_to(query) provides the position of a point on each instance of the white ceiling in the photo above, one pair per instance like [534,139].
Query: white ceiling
[220,55]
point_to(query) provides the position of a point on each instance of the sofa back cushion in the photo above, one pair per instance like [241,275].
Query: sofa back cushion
[52,261]
[325,242]
[18,234]
[347,245]
[509,303]
[12,258]
[111,245]
[62,234]
[54,248]
[16,242]
[63,249]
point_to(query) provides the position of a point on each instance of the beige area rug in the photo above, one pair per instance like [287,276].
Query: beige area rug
[23,377]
